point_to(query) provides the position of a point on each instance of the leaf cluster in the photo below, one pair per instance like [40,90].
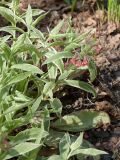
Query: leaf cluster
[32,70]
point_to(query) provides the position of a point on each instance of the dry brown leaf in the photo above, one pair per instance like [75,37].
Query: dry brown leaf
[111,27]
[90,22]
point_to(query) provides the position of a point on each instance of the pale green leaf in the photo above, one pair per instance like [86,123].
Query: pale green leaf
[72,46]
[57,28]
[11,29]
[27,135]
[28,67]
[7,50]
[54,138]
[15,4]
[52,71]
[88,151]
[19,77]
[64,35]
[36,104]
[75,145]
[82,85]
[56,106]
[7,14]
[26,47]
[37,20]
[55,157]
[64,146]
[21,149]
[58,56]
[29,16]
[65,74]
[17,45]
[48,86]
[17,106]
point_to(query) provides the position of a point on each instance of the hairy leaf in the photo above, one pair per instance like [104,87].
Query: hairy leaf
[28,67]
[81,121]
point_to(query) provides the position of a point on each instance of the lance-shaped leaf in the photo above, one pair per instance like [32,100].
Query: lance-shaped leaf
[28,67]
[88,151]
[58,56]
[82,85]
[11,30]
[57,28]
[29,16]
[27,135]
[19,77]
[7,14]
[20,149]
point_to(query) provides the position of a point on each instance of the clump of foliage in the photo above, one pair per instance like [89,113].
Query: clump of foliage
[33,67]
[114,10]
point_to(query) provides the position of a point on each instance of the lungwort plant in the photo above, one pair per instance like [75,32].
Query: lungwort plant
[33,67]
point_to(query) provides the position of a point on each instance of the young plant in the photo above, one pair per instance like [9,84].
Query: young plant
[33,67]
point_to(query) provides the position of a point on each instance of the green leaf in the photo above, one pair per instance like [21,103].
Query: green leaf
[20,149]
[28,67]
[72,46]
[65,74]
[92,70]
[15,123]
[88,151]
[26,47]
[17,106]
[56,106]
[82,85]
[57,28]
[78,143]
[49,86]
[52,71]
[56,43]
[7,14]
[39,19]
[11,29]
[59,64]
[54,138]
[34,153]
[7,50]
[17,78]
[27,135]
[58,56]
[20,97]
[36,12]
[64,146]
[29,16]
[4,39]
[36,104]
[64,35]
[55,157]
[15,4]
[19,43]
[81,121]
[38,33]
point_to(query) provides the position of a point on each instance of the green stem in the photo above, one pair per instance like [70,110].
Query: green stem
[74,3]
